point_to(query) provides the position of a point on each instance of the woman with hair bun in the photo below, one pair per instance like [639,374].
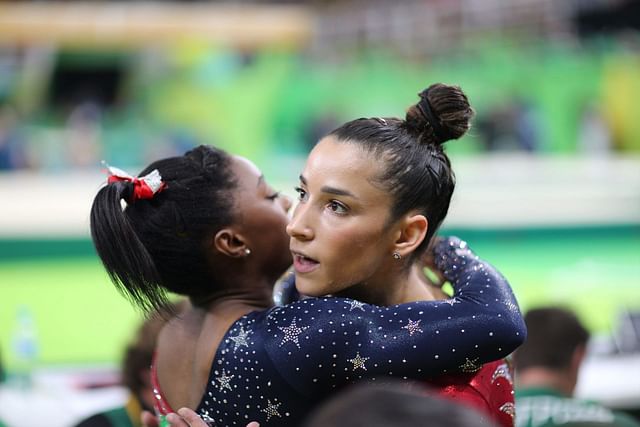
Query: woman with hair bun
[372,196]
[385,184]
[206,225]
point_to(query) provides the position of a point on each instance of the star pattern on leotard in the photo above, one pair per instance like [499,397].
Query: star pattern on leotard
[272,410]
[509,408]
[470,365]
[358,362]
[452,301]
[502,371]
[338,327]
[355,304]
[240,339]
[292,332]
[513,307]
[207,419]
[225,381]
[413,327]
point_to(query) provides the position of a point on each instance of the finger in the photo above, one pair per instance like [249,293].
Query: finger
[148,419]
[253,424]
[174,420]
[191,417]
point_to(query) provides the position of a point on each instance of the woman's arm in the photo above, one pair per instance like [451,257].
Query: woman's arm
[325,342]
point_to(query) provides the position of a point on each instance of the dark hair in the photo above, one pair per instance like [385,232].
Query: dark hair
[157,245]
[393,403]
[417,170]
[553,335]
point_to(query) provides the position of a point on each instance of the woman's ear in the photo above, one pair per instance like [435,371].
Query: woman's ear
[230,243]
[412,232]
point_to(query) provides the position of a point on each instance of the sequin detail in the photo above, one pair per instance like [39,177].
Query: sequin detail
[502,371]
[509,409]
[358,362]
[470,366]
[413,327]
[355,304]
[272,366]
[272,410]
[292,332]
[240,339]
[225,381]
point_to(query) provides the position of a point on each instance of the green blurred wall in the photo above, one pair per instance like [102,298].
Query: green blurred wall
[80,318]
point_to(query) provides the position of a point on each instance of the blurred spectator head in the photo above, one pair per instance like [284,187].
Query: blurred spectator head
[12,150]
[554,349]
[392,404]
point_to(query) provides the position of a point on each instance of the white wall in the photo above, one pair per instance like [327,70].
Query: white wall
[494,191]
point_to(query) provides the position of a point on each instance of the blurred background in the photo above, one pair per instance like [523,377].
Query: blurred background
[549,178]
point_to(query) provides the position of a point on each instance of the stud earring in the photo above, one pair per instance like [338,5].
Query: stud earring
[396,255]
[247,251]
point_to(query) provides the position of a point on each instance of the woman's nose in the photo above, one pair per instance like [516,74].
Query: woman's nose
[298,228]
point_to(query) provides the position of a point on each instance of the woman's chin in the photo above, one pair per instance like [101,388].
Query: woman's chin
[307,288]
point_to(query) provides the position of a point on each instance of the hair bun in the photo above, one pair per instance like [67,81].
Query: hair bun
[442,114]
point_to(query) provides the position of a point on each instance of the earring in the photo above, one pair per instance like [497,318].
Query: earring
[396,255]
[247,251]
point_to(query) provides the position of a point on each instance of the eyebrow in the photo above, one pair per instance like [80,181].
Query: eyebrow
[331,190]
[260,179]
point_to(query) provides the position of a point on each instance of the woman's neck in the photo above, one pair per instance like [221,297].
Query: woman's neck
[238,281]
[250,292]
[396,288]
[412,287]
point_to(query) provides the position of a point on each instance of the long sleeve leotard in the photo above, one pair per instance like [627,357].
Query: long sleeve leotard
[272,366]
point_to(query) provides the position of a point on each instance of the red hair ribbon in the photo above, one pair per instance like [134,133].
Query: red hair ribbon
[144,187]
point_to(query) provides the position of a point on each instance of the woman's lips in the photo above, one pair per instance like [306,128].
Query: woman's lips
[302,264]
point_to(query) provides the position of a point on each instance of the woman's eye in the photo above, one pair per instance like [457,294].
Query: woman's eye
[337,207]
[274,196]
[302,194]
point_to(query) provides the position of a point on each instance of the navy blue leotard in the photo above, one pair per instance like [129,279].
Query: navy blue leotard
[273,366]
